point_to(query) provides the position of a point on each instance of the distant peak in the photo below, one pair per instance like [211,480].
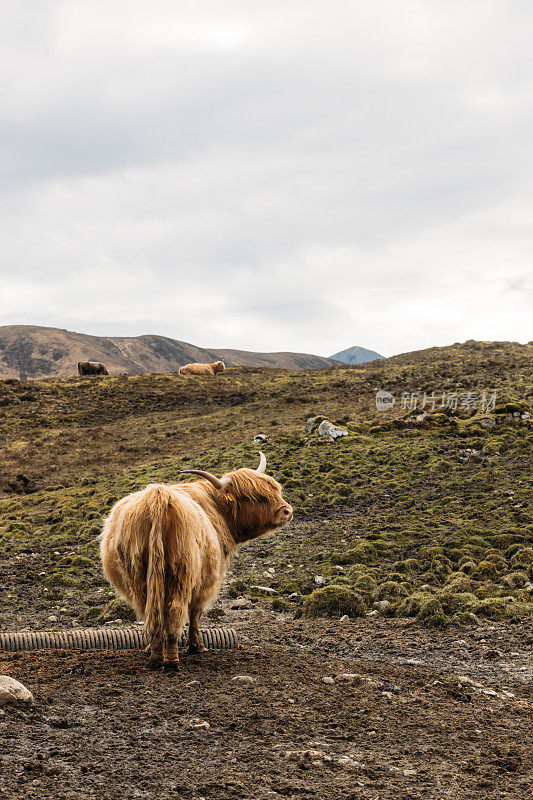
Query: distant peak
[356,355]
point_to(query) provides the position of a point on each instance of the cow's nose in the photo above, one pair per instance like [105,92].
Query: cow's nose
[288,511]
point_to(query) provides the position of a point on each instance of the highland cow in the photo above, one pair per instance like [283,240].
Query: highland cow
[202,369]
[91,368]
[166,548]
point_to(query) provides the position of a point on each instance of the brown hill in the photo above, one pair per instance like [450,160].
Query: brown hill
[31,351]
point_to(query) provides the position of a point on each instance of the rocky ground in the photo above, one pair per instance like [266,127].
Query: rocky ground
[369,708]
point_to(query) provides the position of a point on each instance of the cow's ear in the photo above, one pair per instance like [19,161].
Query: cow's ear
[228,493]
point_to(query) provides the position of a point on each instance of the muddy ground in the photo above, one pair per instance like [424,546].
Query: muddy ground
[105,726]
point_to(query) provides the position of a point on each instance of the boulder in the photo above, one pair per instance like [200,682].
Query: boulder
[327,428]
[12,691]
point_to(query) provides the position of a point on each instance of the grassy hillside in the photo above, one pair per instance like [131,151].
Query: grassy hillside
[430,513]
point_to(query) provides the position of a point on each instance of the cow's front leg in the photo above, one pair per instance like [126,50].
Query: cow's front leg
[196,644]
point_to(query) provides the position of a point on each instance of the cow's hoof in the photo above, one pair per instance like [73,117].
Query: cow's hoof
[197,648]
[171,666]
[155,663]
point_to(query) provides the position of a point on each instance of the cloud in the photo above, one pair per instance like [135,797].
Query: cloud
[268,177]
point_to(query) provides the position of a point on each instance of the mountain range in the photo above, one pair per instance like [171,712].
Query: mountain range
[31,351]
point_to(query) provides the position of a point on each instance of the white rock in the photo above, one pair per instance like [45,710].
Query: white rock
[243,680]
[327,679]
[265,589]
[381,606]
[372,613]
[409,772]
[319,580]
[344,618]
[12,691]
[327,428]
[192,683]
[51,618]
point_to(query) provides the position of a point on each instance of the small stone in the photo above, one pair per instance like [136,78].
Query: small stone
[327,679]
[528,587]
[319,580]
[409,772]
[192,683]
[344,618]
[372,613]
[390,687]
[51,618]
[387,695]
[265,589]
[243,680]
[196,722]
[12,691]
[241,603]
[260,437]
[350,677]
[381,606]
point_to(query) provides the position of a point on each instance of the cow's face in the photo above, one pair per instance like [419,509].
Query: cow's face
[255,503]
[219,366]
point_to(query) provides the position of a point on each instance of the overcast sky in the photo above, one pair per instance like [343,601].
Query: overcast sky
[289,175]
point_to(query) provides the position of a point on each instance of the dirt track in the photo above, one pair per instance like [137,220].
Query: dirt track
[104,726]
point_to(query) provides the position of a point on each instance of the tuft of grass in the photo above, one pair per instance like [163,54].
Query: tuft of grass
[116,609]
[334,601]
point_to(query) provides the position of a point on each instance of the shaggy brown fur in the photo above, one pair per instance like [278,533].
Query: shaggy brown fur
[202,369]
[166,548]
[91,368]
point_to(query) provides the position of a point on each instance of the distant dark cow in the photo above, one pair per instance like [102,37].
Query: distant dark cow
[91,368]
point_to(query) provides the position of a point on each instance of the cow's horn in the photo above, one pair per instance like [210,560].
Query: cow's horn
[262,464]
[217,483]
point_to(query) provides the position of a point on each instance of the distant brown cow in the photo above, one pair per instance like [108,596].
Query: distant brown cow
[202,369]
[91,368]
[165,549]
